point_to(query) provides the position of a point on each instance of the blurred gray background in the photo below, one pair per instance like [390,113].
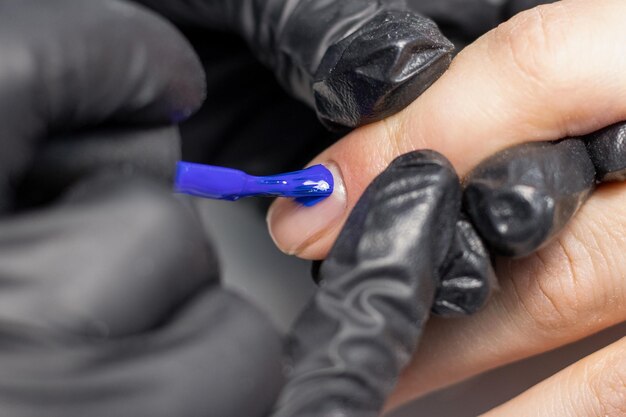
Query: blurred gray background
[281,285]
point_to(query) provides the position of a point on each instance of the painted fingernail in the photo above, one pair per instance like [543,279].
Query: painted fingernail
[294,227]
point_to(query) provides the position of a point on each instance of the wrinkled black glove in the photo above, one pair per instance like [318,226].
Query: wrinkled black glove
[378,286]
[347,63]
[353,61]
[521,198]
[87,343]
[281,133]
[408,245]
[110,303]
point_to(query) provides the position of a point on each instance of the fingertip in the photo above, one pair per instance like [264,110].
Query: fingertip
[155,75]
[186,88]
[307,232]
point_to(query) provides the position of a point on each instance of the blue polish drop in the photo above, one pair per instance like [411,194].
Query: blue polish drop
[310,201]
[308,186]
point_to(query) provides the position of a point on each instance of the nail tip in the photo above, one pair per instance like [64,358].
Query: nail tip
[296,225]
[270,229]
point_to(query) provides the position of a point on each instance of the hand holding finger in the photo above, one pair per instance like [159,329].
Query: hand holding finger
[64,86]
[593,386]
[514,85]
[353,61]
[377,290]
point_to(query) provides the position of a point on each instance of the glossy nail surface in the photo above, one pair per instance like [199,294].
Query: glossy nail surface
[295,226]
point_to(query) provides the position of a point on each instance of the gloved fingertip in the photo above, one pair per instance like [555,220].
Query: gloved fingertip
[379,69]
[513,220]
[379,280]
[607,150]
[158,75]
[521,197]
[467,278]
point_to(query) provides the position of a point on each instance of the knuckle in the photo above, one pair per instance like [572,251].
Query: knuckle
[607,383]
[602,222]
[577,280]
[558,288]
[531,42]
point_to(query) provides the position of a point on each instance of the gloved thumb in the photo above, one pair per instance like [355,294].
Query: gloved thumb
[353,61]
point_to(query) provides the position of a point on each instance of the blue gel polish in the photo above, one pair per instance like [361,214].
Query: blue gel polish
[308,186]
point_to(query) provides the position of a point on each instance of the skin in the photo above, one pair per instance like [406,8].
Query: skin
[554,71]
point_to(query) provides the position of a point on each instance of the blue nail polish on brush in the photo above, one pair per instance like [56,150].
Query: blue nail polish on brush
[308,186]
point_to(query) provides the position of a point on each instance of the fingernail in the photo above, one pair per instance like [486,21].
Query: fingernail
[295,227]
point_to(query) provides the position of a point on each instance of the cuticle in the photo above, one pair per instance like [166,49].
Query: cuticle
[335,169]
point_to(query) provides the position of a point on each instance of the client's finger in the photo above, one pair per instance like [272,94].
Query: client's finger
[595,386]
[546,74]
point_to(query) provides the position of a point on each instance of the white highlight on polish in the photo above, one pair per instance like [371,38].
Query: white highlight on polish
[318,185]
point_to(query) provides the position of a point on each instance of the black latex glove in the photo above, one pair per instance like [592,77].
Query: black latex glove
[252,123]
[517,201]
[405,235]
[352,62]
[110,303]
[408,245]
[521,198]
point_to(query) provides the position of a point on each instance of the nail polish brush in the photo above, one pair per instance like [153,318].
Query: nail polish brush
[308,186]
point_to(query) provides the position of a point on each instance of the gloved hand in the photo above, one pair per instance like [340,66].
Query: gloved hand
[353,61]
[487,102]
[338,58]
[379,282]
[346,63]
[78,329]
[110,303]
[408,248]
[281,133]
[82,323]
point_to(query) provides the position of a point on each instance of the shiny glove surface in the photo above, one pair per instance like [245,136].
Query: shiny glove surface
[405,250]
[253,122]
[378,285]
[409,248]
[353,61]
[345,63]
[110,303]
[521,198]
